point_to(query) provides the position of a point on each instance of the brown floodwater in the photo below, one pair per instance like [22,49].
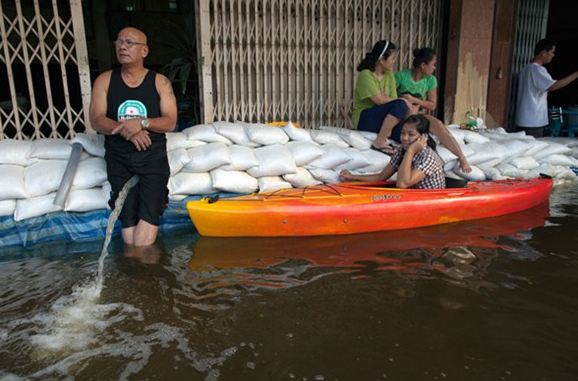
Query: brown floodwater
[492,299]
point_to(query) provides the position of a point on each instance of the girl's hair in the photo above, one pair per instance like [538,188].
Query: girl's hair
[381,49]
[422,126]
[422,55]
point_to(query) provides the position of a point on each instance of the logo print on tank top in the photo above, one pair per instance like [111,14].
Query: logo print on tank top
[131,109]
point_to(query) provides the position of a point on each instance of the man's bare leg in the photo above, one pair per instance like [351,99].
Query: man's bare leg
[145,234]
[387,126]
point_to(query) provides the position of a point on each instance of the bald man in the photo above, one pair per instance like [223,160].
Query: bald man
[134,107]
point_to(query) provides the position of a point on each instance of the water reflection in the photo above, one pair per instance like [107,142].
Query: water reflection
[446,248]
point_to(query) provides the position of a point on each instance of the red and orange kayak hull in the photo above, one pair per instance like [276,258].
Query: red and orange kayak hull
[349,208]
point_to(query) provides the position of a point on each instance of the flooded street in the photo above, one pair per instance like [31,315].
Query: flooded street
[491,299]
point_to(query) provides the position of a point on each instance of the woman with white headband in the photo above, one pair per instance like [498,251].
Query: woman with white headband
[376,107]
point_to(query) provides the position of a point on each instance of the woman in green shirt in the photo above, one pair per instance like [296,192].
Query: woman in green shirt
[376,107]
[418,86]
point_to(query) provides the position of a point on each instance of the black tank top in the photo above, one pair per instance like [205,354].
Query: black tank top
[125,102]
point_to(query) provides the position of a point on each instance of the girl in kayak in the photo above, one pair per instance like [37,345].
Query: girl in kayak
[416,162]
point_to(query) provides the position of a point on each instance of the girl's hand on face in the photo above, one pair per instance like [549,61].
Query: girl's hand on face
[419,144]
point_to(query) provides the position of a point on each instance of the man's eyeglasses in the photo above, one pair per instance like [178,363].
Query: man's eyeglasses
[129,43]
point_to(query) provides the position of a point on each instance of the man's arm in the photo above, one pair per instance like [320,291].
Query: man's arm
[168,119]
[98,105]
[564,81]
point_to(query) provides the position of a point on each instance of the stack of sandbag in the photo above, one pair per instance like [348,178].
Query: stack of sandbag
[496,154]
[31,172]
[248,157]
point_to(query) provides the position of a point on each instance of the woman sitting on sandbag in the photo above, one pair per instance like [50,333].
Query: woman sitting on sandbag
[376,107]
[416,162]
[418,86]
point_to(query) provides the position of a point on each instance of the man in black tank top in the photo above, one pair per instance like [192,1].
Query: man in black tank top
[134,107]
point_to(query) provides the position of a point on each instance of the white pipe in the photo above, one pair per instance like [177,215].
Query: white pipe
[68,177]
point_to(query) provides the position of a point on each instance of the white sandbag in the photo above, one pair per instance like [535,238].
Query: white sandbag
[327,176]
[205,133]
[450,165]
[178,158]
[476,173]
[50,149]
[493,174]
[472,137]
[510,171]
[274,160]
[568,142]
[551,149]
[558,159]
[535,146]
[304,152]
[301,179]
[558,172]
[186,183]
[490,163]
[106,190]
[7,207]
[297,134]
[454,126]
[242,158]
[207,157]
[12,184]
[266,135]
[272,183]
[459,135]
[377,159]
[445,154]
[332,157]
[368,135]
[358,160]
[35,206]
[177,197]
[485,152]
[234,181]
[84,200]
[90,173]
[515,147]
[16,152]
[176,140]
[91,143]
[524,162]
[235,132]
[351,137]
[44,177]
[328,137]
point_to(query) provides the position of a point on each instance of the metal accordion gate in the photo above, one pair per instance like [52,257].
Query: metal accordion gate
[266,60]
[44,71]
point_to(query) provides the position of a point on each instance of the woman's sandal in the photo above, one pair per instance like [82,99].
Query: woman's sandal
[388,150]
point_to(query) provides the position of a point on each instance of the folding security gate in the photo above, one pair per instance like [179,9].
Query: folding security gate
[265,60]
[44,73]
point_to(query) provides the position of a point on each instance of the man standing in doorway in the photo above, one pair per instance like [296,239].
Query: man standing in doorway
[134,107]
[534,83]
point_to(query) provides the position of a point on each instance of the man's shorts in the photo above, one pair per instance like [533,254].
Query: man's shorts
[149,197]
[371,119]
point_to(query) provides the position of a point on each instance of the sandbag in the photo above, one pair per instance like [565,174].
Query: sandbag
[274,160]
[301,178]
[472,137]
[493,174]
[304,152]
[328,138]
[7,207]
[486,152]
[235,132]
[90,173]
[16,152]
[327,176]
[332,157]
[44,177]
[524,162]
[297,134]
[535,146]
[551,149]
[185,183]
[84,200]
[91,143]
[266,136]
[207,157]
[476,173]
[352,137]
[35,206]
[559,159]
[205,133]
[12,184]
[378,162]
[358,160]
[234,181]
[50,149]
[176,140]
[242,158]
[178,158]
[272,183]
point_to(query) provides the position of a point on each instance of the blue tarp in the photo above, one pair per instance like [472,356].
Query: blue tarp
[71,226]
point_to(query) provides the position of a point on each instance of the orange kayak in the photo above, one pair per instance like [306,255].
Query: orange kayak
[349,208]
